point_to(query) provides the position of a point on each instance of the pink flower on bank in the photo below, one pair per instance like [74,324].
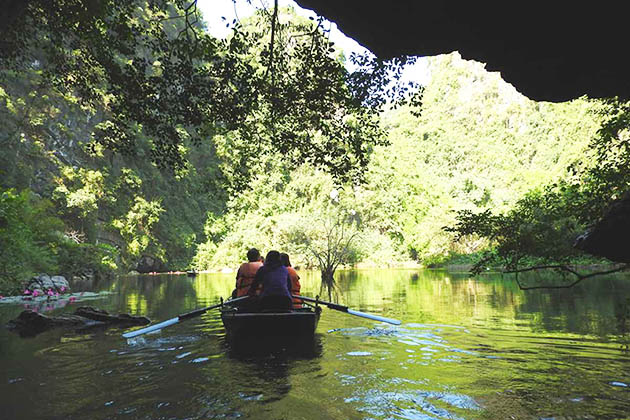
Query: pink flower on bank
[27,292]
[72,299]
[49,292]
[1,297]
[57,294]
[63,289]
[35,293]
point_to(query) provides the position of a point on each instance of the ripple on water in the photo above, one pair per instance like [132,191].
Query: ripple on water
[384,331]
[424,405]
[359,353]
[347,379]
[127,410]
[428,340]
[250,397]
[164,343]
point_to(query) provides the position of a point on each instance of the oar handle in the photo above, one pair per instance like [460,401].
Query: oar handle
[336,306]
[331,305]
[197,312]
[178,318]
[201,311]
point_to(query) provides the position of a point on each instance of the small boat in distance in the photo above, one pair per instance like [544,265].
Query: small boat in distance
[296,323]
[191,273]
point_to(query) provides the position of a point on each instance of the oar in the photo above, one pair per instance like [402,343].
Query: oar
[178,318]
[348,310]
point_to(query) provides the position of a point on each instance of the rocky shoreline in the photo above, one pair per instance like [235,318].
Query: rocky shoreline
[30,323]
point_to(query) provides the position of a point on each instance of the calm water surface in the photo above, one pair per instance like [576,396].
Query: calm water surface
[467,349]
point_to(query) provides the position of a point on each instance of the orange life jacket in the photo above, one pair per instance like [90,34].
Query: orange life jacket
[245,277]
[295,287]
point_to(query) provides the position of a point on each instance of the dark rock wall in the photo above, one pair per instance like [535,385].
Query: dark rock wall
[551,51]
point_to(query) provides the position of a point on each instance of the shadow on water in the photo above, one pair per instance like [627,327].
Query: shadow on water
[274,348]
[272,362]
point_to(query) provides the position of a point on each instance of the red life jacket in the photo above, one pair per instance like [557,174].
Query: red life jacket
[295,287]
[245,277]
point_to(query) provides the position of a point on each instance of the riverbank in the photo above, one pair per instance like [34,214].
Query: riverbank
[466,262]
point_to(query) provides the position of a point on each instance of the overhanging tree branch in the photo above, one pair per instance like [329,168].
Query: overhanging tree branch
[565,268]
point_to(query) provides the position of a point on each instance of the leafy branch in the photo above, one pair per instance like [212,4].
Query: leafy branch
[565,268]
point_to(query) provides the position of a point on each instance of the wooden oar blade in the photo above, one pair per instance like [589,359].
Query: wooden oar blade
[374,317]
[155,327]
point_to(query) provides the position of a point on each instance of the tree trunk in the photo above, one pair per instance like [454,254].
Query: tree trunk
[328,280]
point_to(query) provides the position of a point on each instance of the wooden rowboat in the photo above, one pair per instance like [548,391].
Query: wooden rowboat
[242,325]
[297,323]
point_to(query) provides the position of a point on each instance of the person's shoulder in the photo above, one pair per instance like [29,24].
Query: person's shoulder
[293,273]
[256,264]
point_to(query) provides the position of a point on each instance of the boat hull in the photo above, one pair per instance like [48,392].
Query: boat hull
[298,323]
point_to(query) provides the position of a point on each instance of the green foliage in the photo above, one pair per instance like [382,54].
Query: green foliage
[33,241]
[543,225]
[538,229]
[326,239]
[76,259]
[478,147]
[136,227]
[81,81]
[229,144]
[149,70]
[27,234]
[81,189]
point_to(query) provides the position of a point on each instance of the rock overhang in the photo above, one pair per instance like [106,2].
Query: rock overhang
[550,51]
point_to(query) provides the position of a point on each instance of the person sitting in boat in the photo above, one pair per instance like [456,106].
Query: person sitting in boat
[274,277]
[246,272]
[295,279]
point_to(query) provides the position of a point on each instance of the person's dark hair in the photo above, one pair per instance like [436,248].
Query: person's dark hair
[253,255]
[273,259]
[284,258]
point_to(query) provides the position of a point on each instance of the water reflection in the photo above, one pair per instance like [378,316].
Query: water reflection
[467,348]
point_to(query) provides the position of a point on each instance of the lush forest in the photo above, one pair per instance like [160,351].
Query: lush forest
[477,145]
[174,145]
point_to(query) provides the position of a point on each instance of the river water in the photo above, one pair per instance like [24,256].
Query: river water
[468,348]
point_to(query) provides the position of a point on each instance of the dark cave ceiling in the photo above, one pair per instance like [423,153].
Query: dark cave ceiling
[551,51]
